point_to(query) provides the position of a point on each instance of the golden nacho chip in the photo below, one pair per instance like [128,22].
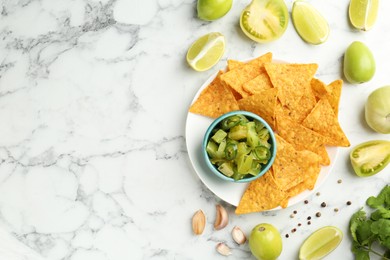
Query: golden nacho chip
[291,80]
[233,64]
[334,95]
[319,88]
[215,100]
[307,184]
[258,84]
[323,120]
[262,104]
[302,138]
[262,194]
[235,78]
[291,166]
[300,110]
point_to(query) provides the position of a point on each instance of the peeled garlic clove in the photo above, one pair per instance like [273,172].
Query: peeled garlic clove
[198,222]
[238,235]
[222,218]
[223,249]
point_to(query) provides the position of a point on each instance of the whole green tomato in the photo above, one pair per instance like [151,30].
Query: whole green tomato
[265,242]
[210,10]
[359,63]
[377,110]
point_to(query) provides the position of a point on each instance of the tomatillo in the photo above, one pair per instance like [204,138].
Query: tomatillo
[370,157]
[377,110]
[210,10]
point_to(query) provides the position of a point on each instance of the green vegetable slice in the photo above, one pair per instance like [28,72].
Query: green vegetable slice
[219,136]
[231,151]
[262,153]
[231,121]
[226,168]
[370,157]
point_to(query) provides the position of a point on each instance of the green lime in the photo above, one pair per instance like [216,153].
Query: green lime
[264,20]
[309,23]
[363,13]
[320,243]
[206,51]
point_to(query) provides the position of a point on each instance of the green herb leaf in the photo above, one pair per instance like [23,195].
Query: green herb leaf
[360,252]
[381,212]
[383,199]
[356,220]
[366,230]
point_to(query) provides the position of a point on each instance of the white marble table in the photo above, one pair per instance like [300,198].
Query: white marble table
[93,102]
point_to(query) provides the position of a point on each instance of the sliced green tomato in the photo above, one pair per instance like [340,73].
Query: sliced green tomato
[238,132]
[370,157]
[264,20]
[244,164]
[226,168]
[242,148]
[212,149]
[219,136]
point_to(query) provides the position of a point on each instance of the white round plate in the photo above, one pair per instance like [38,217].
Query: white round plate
[196,126]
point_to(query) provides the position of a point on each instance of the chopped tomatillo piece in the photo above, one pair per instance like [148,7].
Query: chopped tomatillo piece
[370,157]
[239,147]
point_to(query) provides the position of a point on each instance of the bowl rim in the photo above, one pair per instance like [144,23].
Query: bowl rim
[216,122]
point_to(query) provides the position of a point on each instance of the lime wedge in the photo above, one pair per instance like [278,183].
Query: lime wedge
[264,20]
[320,243]
[363,13]
[309,23]
[206,51]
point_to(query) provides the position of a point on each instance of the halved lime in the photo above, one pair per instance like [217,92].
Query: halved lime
[363,13]
[320,243]
[264,20]
[309,23]
[206,51]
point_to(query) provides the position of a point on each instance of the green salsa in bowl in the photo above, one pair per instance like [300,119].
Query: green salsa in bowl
[239,146]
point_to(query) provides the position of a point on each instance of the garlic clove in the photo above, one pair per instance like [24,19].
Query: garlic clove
[223,249]
[238,235]
[198,222]
[222,218]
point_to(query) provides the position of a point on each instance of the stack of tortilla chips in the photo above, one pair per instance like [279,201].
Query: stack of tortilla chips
[302,111]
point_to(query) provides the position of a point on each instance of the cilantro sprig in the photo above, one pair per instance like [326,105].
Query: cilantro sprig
[374,230]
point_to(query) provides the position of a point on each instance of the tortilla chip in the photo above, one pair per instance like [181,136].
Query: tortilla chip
[291,166]
[237,77]
[233,64]
[319,88]
[215,100]
[262,194]
[262,104]
[323,120]
[299,111]
[307,184]
[291,80]
[334,95]
[302,138]
[258,84]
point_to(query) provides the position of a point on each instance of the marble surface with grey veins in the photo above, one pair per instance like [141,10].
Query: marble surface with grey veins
[93,105]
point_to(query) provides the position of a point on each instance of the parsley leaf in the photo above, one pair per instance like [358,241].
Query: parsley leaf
[366,230]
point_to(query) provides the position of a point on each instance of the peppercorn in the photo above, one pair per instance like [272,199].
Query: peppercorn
[323,204]
[318,214]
